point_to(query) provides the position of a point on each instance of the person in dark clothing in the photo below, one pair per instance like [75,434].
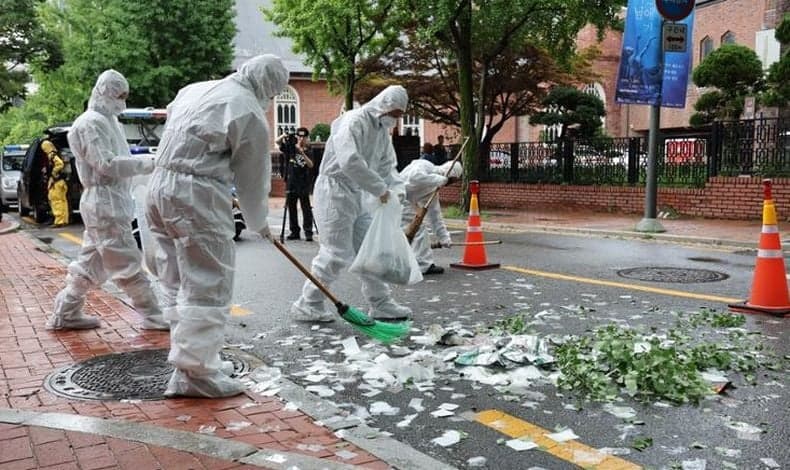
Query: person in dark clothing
[298,162]
[439,152]
[427,152]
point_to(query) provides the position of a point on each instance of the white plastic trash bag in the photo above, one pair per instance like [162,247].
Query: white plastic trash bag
[385,252]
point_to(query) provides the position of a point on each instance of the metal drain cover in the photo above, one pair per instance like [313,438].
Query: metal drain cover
[136,375]
[677,275]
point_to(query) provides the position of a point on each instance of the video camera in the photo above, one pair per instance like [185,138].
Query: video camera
[288,145]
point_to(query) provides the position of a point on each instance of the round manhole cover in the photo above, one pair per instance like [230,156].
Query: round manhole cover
[677,275]
[136,375]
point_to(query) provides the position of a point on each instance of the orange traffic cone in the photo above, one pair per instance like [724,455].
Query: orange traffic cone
[769,287]
[475,252]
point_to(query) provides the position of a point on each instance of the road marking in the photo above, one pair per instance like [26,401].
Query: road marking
[622,285]
[238,311]
[70,237]
[570,451]
[235,310]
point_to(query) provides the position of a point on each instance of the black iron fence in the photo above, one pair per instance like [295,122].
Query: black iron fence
[759,147]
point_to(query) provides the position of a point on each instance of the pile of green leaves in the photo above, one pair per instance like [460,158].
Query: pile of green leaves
[658,367]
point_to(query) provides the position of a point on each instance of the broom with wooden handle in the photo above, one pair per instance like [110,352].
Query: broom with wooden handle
[414,225]
[386,332]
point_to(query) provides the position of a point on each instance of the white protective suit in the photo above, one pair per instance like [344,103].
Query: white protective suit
[358,166]
[216,136]
[106,168]
[422,178]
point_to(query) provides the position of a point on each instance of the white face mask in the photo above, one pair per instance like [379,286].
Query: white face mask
[116,105]
[388,121]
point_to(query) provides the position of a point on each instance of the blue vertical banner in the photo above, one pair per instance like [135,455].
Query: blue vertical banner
[641,78]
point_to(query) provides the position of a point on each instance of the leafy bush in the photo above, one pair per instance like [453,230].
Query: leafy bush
[320,132]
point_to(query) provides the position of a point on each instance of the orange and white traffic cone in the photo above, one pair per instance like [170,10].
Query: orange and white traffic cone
[475,250]
[769,287]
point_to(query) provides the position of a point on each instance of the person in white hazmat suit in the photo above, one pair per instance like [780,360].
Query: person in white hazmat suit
[109,250]
[422,178]
[216,137]
[357,171]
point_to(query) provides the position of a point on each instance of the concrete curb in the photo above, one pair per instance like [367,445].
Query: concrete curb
[668,237]
[196,443]
[12,228]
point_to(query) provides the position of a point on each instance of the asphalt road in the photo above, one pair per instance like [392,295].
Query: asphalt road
[564,284]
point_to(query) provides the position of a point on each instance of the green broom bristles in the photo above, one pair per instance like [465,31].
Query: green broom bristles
[384,332]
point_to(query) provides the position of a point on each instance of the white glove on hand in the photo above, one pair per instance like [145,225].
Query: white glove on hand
[265,233]
[148,166]
[446,243]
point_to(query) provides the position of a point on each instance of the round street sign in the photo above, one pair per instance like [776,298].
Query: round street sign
[675,10]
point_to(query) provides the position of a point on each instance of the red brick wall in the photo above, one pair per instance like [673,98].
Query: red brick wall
[722,198]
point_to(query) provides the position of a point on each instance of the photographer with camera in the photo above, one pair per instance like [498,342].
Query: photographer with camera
[298,162]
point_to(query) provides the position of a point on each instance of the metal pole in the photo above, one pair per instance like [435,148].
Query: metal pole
[650,223]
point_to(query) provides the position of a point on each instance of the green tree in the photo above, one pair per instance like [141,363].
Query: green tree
[23,43]
[734,71]
[342,40]
[159,45]
[570,107]
[477,35]
[778,81]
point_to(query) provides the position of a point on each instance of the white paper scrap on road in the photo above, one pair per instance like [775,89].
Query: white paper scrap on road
[206,429]
[745,431]
[587,459]
[315,378]
[291,406]
[416,404]
[623,412]
[406,421]
[350,346]
[321,390]
[383,408]
[448,439]
[770,463]
[474,462]
[448,406]
[520,444]
[696,464]
[184,418]
[562,436]
[442,413]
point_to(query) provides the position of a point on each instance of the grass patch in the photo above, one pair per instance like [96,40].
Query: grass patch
[456,212]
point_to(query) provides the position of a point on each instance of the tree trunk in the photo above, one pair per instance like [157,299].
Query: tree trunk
[466,92]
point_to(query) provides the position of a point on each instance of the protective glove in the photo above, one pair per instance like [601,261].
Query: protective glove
[265,233]
[148,166]
[446,243]
[385,197]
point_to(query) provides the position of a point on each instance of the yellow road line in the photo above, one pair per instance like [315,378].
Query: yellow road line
[622,285]
[570,451]
[70,237]
[235,310]
[238,311]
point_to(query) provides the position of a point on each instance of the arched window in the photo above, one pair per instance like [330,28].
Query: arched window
[705,47]
[728,38]
[596,89]
[286,112]
[410,125]
[551,133]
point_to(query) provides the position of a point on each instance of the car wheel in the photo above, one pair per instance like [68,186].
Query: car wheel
[40,214]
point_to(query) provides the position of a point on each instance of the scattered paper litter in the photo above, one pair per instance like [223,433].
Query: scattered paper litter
[478,461]
[132,401]
[321,390]
[406,421]
[346,454]
[520,444]
[383,408]
[184,418]
[770,463]
[441,413]
[315,378]
[623,412]
[350,346]
[696,464]
[615,450]
[206,429]
[276,458]
[587,458]
[447,439]
[237,425]
[745,431]
[566,435]
[291,406]
[735,453]
[416,404]
[448,406]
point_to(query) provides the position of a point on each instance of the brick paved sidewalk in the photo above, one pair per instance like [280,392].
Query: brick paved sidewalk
[30,277]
